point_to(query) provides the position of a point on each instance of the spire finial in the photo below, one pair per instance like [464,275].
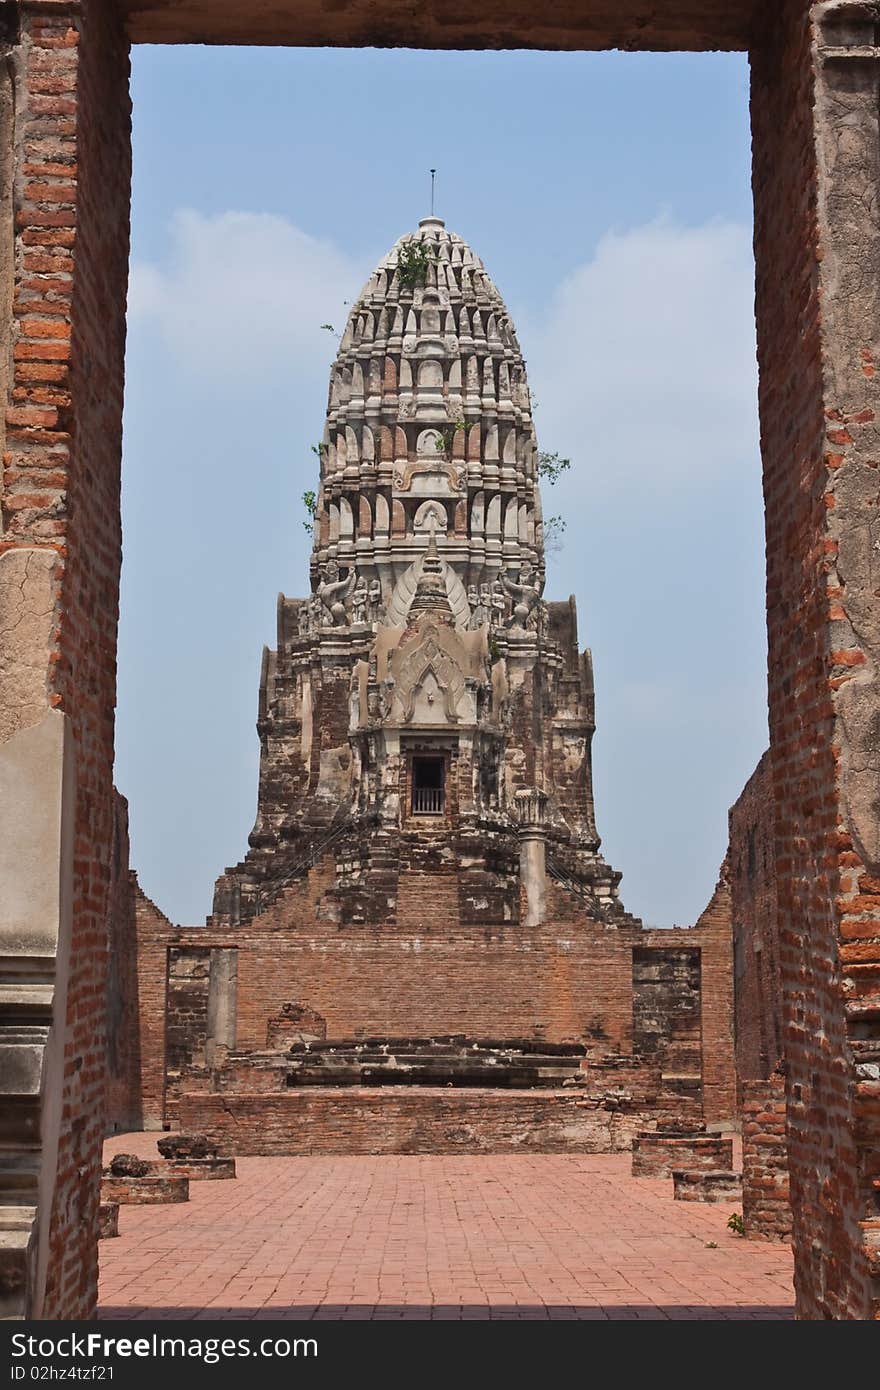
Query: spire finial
[433,173]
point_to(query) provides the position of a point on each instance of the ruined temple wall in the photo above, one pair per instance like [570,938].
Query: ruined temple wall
[494,981]
[757,983]
[816,154]
[123,1077]
[61,541]
[712,935]
[154,935]
[565,980]
[412,1120]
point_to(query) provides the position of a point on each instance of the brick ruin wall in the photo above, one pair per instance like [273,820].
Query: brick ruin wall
[818,403]
[60,543]
[123,1076]
[765,1194]
[814,112]
[413,1120]
[758,1008]
[757,979]
[621,990]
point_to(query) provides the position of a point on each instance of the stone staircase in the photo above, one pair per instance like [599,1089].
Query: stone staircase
[451,1061]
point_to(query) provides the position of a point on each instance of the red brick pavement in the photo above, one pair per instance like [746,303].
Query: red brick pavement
[418,1237]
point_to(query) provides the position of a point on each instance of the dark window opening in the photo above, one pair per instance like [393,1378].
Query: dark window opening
[427,786]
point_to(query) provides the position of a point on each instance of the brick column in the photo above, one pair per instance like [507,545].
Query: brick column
[64,116]
[531,807]
[817,237]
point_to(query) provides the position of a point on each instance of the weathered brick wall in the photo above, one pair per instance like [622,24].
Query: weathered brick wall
[61,497]
[429,975]
[666,1004]
[816,152]
[381,1120]
[154,933]
[659,1155]
[766,1205]
[123,1106]
[712,933]
[186,1016]
[757,982]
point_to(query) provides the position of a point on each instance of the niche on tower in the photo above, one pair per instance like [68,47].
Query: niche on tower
[429,798]
[428,784]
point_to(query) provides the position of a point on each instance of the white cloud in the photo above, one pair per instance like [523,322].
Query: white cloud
[244,295]
[644,364]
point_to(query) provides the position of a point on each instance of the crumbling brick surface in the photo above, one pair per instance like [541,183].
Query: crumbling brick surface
[412,1120]
[712,1186]
[660,1154]
[60,495]
[766,1205]
[814,109]
[757,980]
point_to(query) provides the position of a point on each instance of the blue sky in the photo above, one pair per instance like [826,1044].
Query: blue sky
[608,195]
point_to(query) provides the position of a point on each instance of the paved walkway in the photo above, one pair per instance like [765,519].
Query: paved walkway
[413,1237]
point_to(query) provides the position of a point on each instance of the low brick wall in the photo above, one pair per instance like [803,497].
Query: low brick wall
[410,1120]
[766,1205]
[714,1186]
[660,1155]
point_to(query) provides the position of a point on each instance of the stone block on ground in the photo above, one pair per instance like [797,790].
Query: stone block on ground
[144,1191]
[716,1185]
[186,1146]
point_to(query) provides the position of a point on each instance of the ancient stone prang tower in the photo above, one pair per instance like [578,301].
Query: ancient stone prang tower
[426,711]
[423,950]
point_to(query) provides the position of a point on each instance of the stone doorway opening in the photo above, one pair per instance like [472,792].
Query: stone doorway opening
[428,785]
[818,347]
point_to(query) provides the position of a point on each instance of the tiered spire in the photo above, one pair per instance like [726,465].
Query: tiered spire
[429,432]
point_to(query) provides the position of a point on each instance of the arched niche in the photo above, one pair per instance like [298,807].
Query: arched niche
[431,373]
[383,519]
[431,515]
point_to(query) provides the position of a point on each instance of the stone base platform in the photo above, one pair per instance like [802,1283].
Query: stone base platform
[144,1191]
[409,1120]
[715,1186]
[660,1155]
